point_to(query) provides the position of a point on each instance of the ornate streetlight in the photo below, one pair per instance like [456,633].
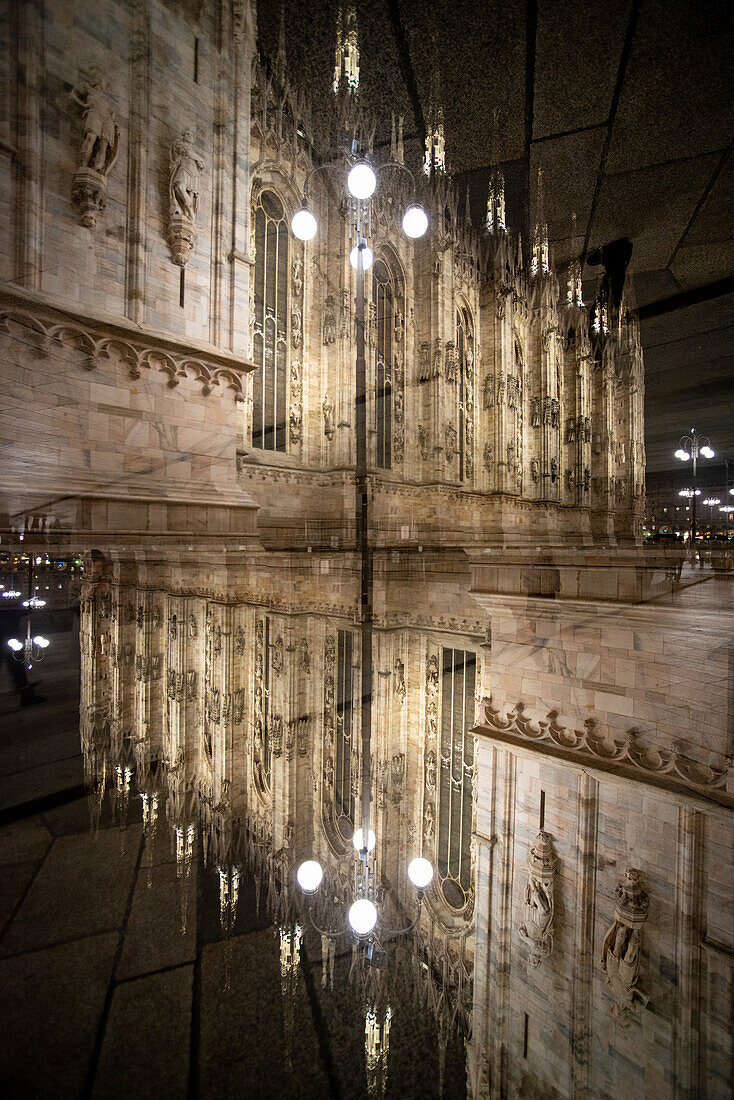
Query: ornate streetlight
[690,448]
[29,649]
[711,502]
[363,916]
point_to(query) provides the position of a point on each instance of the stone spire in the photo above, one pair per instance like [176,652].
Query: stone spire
[574,291]
[540,260]
[435,155]
[495,221]
[346,65]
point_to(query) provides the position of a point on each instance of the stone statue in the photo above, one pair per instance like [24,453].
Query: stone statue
[537,928]
[100,133]
[620,959]
[399,323]
[535,470]
[329,320]
[186,169]
[296,325]
[429,817]
[99,145]
[183,191]
[297,273]
[328,410]
[488,391]
[488,457]
[553,470]
[431,771]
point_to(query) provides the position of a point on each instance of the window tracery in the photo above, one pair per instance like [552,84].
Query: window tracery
[270,324]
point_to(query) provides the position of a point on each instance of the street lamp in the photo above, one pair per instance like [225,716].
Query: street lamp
[690,447]
[363,917]
[711,502]
[28,649]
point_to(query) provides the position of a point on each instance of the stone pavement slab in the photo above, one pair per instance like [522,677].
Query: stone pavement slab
[153,939]
[52,1006]
[145,1052]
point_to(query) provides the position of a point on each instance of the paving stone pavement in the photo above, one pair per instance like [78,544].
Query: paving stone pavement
[103,994]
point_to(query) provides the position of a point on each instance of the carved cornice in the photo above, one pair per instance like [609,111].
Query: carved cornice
[46,328]
[631,758]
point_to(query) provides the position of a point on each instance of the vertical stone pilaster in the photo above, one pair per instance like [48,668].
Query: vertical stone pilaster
[688,931]
[498,1016]
[29,177]
[583,950]
[137,174]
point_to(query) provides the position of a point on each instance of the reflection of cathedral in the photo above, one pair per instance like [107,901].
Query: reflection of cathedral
[185,386]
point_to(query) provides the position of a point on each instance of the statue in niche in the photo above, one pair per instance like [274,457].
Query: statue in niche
[488,391]
[100,144]
[399,326]
[305,658]
[570,480]
[429,819]
[329,320]
[620,959]
[536,930]
[535,470]
[451,439]
[430,771]
[570,430]
[489,457]
[554,470]
[184,185]
[469,364]
[296,325]
[535,413]
[423,441]
[397,775]
[400,681]
[328,411]
[587,478]
[295,422]
[297,277]
[501,388]
[186,169]
[100,133]
[451,362]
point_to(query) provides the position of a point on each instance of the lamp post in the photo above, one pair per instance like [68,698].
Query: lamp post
[689,448]
[361,183]
[711,502]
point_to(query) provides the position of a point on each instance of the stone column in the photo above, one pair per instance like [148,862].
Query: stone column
[29,192]
[688,931]
[583,949]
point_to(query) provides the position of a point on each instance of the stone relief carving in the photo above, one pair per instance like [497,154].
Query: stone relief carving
[305,657]
[536,929]
[620,958]
[296,325]
[451,362]
[423,441]
[400,681]
[295,412]
[328,411]
[431,696]
[429,820]
[570,480]
[554,470]
[276,660]
[186,168]
[297,277]
[431,771]
[451,439]
[535,470]
[489,457]
[397,777]
[100,144]
[535,413]
[329,320]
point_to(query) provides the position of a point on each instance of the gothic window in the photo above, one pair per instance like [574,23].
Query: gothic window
[270,326]
[456,775]
[465,395]
[343,788]
[382,296]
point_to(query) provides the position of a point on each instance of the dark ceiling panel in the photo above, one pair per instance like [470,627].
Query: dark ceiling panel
[677,99]
[478,50]
[577,57]
[652,207]
[570,166]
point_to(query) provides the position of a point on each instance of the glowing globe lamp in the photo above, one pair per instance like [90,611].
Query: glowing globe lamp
[415,221]
[309,876]
[366,256]
[362,917]
[420,873]
[361,180]
[304,224]
[359,843]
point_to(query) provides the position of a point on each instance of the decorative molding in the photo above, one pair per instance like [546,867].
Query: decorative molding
[630,757]
[136,354]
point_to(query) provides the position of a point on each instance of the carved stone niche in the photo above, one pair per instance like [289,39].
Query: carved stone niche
[536,929]
[620,957]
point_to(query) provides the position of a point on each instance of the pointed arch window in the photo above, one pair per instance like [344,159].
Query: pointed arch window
[270,325]
[459,669]
[465,394]
[383,300]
